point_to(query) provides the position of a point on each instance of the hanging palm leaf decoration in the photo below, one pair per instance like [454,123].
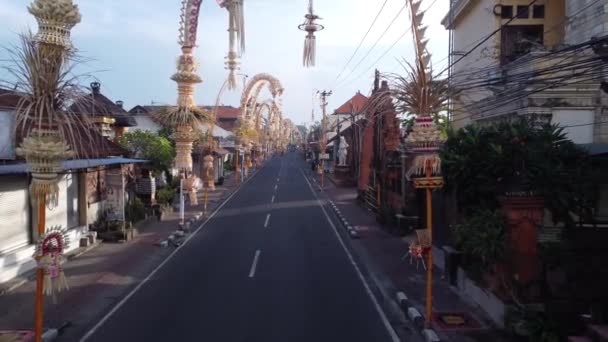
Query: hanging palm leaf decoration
[236,35]
[310,27]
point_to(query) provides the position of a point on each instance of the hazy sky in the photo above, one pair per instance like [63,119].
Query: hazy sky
[133,44]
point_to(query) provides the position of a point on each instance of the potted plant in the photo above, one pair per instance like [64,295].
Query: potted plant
[164,198]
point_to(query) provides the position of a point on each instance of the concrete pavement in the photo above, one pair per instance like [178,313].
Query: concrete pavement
[269,266]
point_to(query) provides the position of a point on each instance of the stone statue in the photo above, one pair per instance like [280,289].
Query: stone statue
[342,152]
[208,173]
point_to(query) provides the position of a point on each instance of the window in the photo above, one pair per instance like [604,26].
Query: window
[518,40]
[506,12]
[538,12]
[523,12]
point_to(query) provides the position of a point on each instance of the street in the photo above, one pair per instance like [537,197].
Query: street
[267,266]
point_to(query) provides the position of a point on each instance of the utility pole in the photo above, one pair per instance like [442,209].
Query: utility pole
[323,144]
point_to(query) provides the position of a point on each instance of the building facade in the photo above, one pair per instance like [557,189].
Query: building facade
[538,62]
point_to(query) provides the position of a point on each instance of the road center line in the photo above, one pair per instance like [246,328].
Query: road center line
[272,201]
[255,263]
[267,218]
[276,187]
[101,322]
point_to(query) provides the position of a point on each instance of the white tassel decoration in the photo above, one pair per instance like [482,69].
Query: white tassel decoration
[310,46]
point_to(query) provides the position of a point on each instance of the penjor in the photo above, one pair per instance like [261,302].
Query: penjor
[310,27]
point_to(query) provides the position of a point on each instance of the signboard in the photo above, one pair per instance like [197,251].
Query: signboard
[115,185]
[324,156]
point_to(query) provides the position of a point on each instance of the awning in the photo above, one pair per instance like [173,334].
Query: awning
[73,164]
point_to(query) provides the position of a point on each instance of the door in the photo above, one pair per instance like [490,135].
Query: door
[65,214]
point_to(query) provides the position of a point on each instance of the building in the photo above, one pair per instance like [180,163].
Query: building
[110,117]
[544,61]
[227,116]
[83,195]
[380,179]
[145,118]
[348,121]
[540,64]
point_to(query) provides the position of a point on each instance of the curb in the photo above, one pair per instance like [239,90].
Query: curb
[352,232]
[176,238]
[416,317]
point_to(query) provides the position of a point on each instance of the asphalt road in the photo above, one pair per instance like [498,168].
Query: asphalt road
[267,267]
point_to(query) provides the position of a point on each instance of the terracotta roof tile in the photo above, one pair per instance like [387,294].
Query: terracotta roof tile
[354,105]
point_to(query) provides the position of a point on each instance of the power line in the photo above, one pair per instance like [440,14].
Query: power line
[376,43]
[488,37]
[482,72]
[377,60]
[362,40]
[385,52]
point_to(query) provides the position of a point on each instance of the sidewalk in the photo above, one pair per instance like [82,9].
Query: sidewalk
[385,253]
[102,276]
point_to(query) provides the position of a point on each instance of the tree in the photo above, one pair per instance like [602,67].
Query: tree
[150,146]
[483,162]
[303,130]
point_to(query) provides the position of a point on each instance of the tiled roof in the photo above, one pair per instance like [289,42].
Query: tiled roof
[100,105]
[88,143]
[354,105]
[8,98]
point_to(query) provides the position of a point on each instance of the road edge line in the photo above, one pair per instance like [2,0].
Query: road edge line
[387,324]
[122,302]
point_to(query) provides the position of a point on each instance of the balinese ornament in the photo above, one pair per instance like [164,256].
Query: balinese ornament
[191,185]
[49,256]
[184,138]
[44,150]
[208,173]
[55,20]
[424,141]
[310,27]
[236,35]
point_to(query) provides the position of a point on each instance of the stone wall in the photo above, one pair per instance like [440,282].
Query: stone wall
[587,19]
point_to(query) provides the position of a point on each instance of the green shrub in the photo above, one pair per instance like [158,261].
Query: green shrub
[480,163]
[135,210]
[483,236]
[165,196]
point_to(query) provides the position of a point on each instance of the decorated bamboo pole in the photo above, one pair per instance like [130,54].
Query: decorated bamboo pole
[323,141]
[44,147]
[429,272]
[236,164]
[425,140]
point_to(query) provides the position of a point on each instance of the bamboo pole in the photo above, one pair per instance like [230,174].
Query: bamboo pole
[236,165]
[429,270]
[38,319]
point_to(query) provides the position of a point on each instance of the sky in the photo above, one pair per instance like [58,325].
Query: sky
[131,47]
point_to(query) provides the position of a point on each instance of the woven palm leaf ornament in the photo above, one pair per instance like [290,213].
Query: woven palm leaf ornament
[186,116]
[310,27]
[236,37]
[50,257]
[426,138]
